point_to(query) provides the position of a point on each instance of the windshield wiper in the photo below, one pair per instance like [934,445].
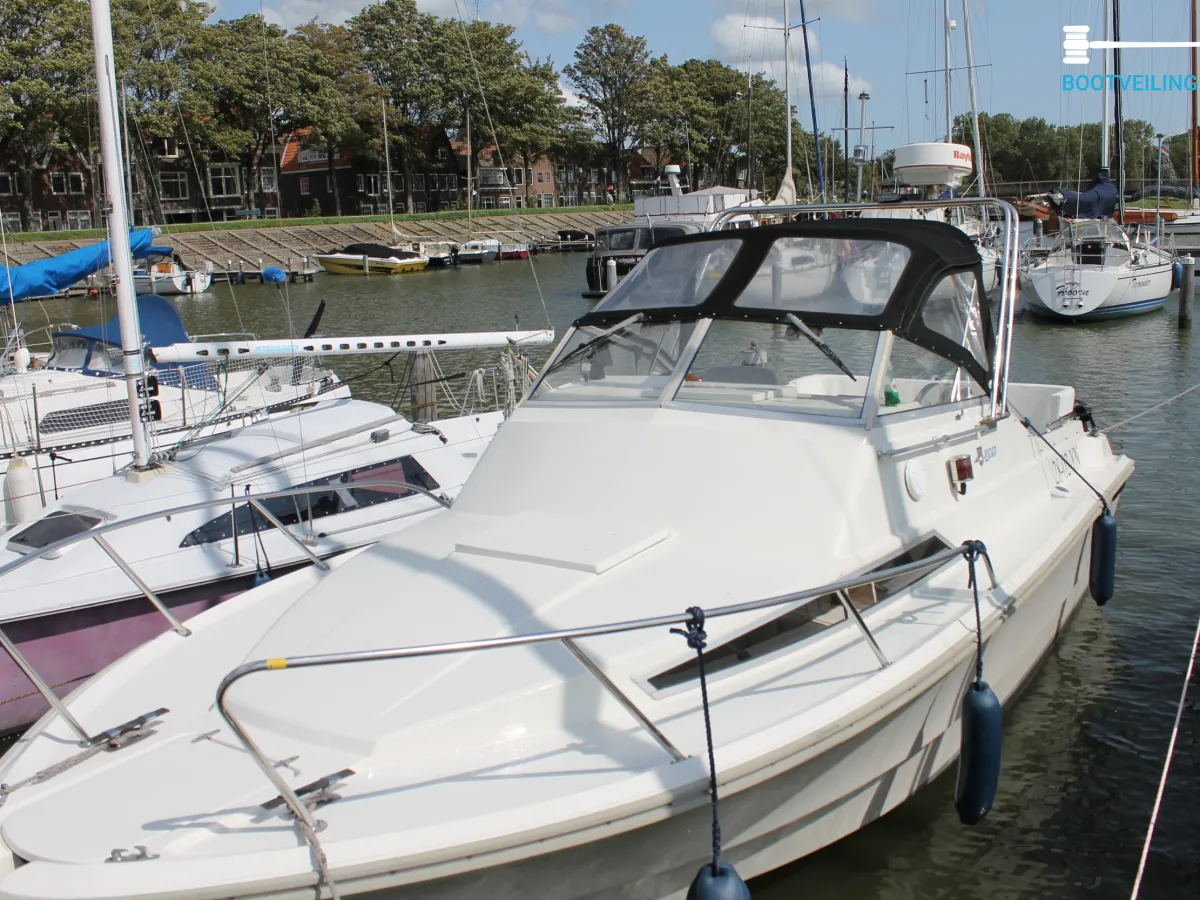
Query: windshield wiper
[820,344]
[603,336]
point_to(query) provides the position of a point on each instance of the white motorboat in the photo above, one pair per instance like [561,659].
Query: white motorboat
[480,251]
[170,277]
[546,735]
[1094,271]
[371,259]
[76,611]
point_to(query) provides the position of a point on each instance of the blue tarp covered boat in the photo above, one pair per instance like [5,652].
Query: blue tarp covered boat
[46,277]
[96,350]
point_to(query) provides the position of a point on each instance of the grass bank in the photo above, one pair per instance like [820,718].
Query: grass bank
[243,224]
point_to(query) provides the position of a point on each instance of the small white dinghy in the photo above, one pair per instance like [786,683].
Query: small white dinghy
[492,702]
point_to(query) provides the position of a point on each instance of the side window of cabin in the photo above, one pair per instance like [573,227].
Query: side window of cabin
[69,352]
[952,310]
[918,378]
[621,240]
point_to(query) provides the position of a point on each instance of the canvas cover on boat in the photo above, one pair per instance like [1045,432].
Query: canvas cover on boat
[161,326]
[378,251]
[46,277]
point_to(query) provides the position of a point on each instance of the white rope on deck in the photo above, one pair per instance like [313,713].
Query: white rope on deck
[1162,783]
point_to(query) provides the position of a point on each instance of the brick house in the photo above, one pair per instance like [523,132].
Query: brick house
[61,195]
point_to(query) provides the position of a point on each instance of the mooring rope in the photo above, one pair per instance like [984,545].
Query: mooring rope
[1156,406]
[973,551]
[696,639]
[1162,782]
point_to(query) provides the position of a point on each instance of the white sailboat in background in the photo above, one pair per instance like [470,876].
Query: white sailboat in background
[1094,270]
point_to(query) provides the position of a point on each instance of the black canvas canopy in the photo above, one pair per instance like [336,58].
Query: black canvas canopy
[934,251]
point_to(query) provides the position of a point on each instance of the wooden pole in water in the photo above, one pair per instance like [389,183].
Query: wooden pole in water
[1187,292]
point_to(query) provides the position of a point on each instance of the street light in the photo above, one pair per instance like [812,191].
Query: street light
[860,151]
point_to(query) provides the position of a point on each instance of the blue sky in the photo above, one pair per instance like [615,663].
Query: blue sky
[1018,47]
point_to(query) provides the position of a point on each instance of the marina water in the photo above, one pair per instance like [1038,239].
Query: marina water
[1085,743]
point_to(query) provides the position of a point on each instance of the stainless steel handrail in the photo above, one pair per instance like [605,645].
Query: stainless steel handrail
[568,635]
[97,536]
[1002,356]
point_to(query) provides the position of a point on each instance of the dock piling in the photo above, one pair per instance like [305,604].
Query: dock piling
[1187,292]
[610,274]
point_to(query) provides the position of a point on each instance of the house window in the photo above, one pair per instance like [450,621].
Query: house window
[373,185]
[561,169]
[505,202]
[487,203]
[453,182]
[443,153]
[540,178]
[367,209]
[270,184]
[271,212]
[419,185]
[54,221]
[518,176]
[167,148]
[173,185]
[304,185]
[58,182]
[312,155]
[397,183]
[570,200]
[570,176]
[11,222]
[8,184]
[592,176]
[420,206]
[75,182]
[79,219]
[223,180]
[35,222]
[519,202]
[359,181]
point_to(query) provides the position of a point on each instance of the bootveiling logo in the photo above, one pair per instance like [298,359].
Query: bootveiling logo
[1075,53]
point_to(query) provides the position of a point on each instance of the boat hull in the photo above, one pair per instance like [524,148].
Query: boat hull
[66,648]
[476,256]
[789,808]
[174,285]
[341,264]
[1084,295]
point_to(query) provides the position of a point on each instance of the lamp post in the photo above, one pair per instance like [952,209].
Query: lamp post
[860,151]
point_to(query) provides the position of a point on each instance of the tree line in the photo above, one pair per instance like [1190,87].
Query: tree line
[230,90]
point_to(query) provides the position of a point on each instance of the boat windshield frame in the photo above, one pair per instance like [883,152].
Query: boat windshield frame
[935,251]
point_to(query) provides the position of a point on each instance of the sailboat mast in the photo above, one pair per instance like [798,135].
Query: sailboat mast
[468,174]
[1106,124]
[846,123]
[1193,143]
[749,136]
[118,225]
[1120,135]
[946,27]
[387,159]
[812,100]
[787,87]
[974,103]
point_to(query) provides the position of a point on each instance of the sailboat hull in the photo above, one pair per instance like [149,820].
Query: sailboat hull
[1086,295]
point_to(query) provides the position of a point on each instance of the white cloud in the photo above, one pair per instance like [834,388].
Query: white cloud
[554,19]
[851,10]
[290,13]
[549,16]
[756,43]
[569,96]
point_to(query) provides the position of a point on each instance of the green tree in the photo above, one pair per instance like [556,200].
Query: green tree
[609,74]
[45,61]
[342,103]
[162,53]
[393,39]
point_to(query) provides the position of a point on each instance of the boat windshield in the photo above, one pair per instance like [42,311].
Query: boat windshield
[678,275]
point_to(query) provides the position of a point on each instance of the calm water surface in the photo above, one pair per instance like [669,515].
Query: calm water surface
[1084,745]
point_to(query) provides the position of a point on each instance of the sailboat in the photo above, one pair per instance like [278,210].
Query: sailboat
[1094,269]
